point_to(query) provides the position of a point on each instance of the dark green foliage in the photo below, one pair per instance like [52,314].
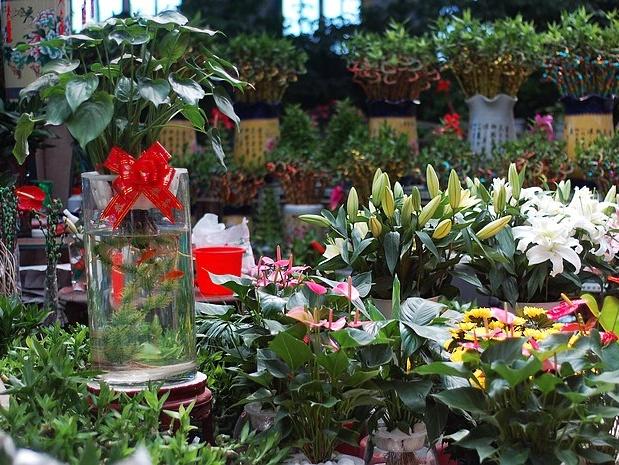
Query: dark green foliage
[300,139]
[267,224]
[17,321]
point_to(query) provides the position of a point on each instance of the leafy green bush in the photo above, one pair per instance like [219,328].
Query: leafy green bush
[17,321]
[600,161]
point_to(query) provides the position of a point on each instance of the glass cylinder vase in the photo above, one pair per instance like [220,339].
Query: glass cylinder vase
[140,286]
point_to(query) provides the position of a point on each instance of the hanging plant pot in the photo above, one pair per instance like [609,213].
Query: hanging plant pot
[258,132]
[401,117]
[140,277]
[491,122]
[586,118]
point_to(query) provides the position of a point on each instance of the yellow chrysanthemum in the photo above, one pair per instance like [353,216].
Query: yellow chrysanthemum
[468,326]
[458,355]
[496,325]
[447,343]
[536,334]
[481,380]
[534,312]
[519,321]
[557,327]
[477,314]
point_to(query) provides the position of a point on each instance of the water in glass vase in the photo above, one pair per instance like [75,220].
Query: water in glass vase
[141,299]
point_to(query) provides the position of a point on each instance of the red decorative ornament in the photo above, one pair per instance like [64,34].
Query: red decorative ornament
[8,33]
[150,176]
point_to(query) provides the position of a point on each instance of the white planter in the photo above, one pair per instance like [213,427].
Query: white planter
[491,122]
[398,441]
[338,459]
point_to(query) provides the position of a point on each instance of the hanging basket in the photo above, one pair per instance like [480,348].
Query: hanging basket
[491,122]
[586,118]
[258,132]
[401,117]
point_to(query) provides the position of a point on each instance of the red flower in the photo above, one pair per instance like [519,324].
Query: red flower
[30,198]
[564,308]
[451,125]
[218,117]
[336,197]
[613,279]
[318,247]
[608,337]
[443,86]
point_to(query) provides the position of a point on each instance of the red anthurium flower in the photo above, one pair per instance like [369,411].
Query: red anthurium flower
[347,290]
[443,85]
[564,308]
[608,337]
[316,288]
[30,198]
[579,327]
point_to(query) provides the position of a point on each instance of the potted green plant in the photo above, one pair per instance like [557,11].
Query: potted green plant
[393,69]
[581,58]
[394,235]
[295,163]
[599,161]
[137,224]
[555,240]
[490,62]
[534,402]
[270,65]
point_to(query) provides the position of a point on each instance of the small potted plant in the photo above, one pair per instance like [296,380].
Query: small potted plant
[490,62]
[581,59]
[533,402]
[295,163]
[555,240]
[599,161]
[393,235]
[270,65]
[115,87]
[393,69]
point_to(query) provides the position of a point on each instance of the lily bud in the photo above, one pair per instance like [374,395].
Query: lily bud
[388,202]
[315,220]
[378,186]
[416,198]
[428,211]
[514,181]
[611,195]
[375,226]
[454,189]
[499,199]
[493,228]
[352,204]
[407,211]
[432,181]
[398,192]
[442,229]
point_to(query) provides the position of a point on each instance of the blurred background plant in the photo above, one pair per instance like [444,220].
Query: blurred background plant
[600,161]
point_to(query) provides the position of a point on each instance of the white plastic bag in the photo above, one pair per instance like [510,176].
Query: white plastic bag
[208,232]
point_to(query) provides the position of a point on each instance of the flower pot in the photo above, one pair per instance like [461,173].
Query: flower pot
[401,448]
[586,118]
[217,260]
[260,419]
[338,459]
[491,122]
[401,117]
[258,132]
[293,227]
[140,287]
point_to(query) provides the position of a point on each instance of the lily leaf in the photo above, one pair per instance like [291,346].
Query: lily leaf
[91,118]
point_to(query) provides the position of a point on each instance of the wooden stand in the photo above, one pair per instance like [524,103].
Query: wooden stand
[183,394]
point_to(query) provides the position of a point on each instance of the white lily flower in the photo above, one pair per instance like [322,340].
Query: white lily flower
[334,248]
[362,229]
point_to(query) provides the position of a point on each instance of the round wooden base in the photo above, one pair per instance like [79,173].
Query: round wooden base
[179,394]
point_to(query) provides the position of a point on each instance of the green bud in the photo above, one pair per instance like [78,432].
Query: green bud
[514,181]
[398,192]
[375,226]
[442,229]
[315,220]
[352,204]
[454,190]
[388,202]
[407,211]
[611,195]
[493,228]
[378,186]
[428,211]
[432,181]
[416,198]
[499,199]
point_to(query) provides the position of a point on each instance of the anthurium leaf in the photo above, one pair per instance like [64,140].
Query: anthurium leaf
[469,399]
[23,129]
[352,337]
[126,89]
[188,90]
[133,35]
[239,285]
[566,456]
[592,303]
[169,17]
[335,363]
[505,351]
[60,66]
[224,103]
[46,80]
[195,115]
[419,311]
[547,382]
[609,316]
[291,350]
[444,368]
[611,377]
[520,371]
[91,118]
[80,88]
[391,245]
[413,393]
[58,109]
[269,361]
[154,90]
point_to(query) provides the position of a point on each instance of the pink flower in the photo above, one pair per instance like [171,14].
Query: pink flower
[608,337]
[544,124]
[503,315]
[336,197]
[307,318]
[347,290]
[564,308]
[316,288]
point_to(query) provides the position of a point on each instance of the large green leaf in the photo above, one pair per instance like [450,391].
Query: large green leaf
[195,115]
[291,350]
[188,90]
[413,393]
[506,351]
[91,118]
[126,89]
[609,316]
[469,399]
[419,311]
[336,363]
[269,361]
[224,103]
[133,35]
[391,244]
[444,368]
[58,109]
[80,88]
[520,370]
[23,129]
[352,337]
[46,80]
[169,17]
[60,66]
[154,90]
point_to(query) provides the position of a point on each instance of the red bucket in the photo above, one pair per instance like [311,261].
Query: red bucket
[217,260]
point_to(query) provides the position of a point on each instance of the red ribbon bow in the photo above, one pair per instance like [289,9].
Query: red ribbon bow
[150,176]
